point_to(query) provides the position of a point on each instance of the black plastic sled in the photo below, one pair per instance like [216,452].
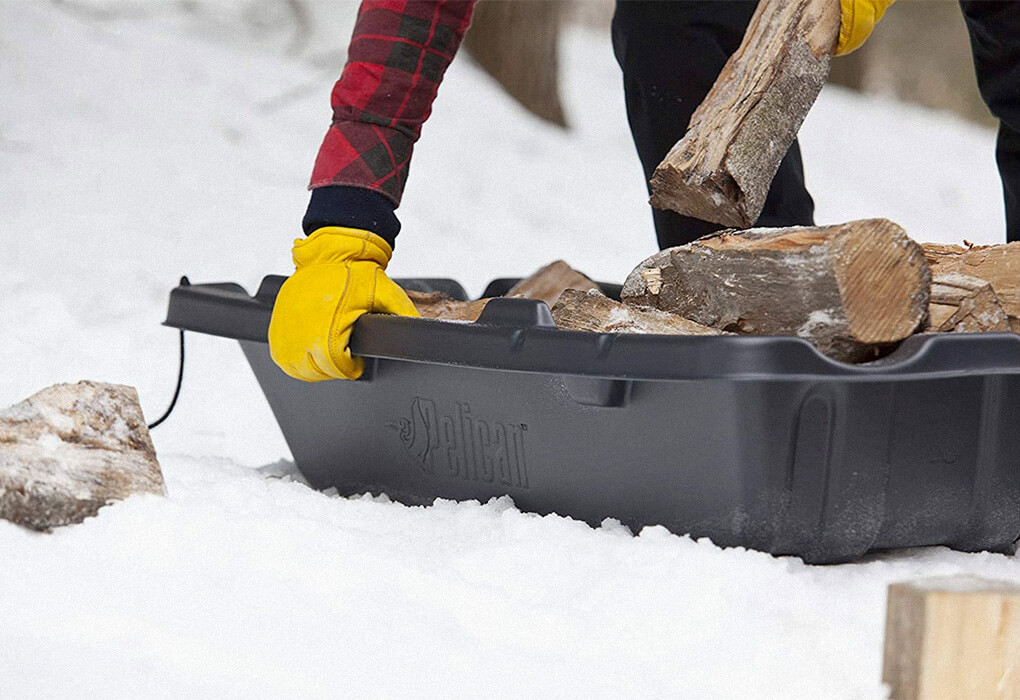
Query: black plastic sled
[760,442]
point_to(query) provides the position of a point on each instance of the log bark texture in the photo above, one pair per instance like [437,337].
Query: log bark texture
[965,304]
[517,44]
[722,168]
[847,289]
[952,638]
[550,281]
[445,307]
[595,312]
[998,265]
[71,449]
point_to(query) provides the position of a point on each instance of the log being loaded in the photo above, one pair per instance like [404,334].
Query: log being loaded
[722,168]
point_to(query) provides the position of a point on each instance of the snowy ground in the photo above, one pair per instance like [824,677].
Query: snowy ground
[139,143]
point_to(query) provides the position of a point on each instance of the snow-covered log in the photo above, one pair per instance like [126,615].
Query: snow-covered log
[722,168]
[68,450]
[847,288]
[595,312]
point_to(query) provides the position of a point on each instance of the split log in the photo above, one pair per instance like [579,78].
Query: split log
[722,168]
[445,307]
[550,281]
[965,304]
[847,289]
[517,44]
[950,638]
[998,265]
[68,450]
[597,313]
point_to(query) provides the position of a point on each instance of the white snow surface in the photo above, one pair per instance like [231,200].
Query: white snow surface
[140,142]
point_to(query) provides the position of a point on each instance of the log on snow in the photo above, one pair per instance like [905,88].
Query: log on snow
[68,450]
[955,637]
[847,289]
[722,168]
[965,304]
[595,312]
[446,308]
[998,265]
[550,281]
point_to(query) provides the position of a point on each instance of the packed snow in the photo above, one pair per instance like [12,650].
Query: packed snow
[140,142]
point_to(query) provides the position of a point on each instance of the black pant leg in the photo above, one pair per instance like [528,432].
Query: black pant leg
[995,40]
[671,52]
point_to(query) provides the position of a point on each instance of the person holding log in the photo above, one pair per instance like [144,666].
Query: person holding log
[670,52]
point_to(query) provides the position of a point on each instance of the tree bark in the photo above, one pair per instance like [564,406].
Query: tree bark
[965,304]
[722,168]
[595,312]
[847,289]
[68,450]
[999,265]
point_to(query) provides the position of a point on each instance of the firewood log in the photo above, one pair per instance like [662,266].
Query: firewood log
[445,307]
[517,44]
[964,304]
[68,450]
[847,288]
[550,281]
[722,168]
[998,265]
[595,312]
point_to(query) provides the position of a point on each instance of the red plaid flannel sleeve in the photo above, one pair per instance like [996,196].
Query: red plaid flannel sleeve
[396,60]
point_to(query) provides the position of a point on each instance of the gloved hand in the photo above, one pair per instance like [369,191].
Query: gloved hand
[857,19]
[339,275]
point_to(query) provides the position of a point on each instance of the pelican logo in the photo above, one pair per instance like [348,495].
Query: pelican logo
[459,445]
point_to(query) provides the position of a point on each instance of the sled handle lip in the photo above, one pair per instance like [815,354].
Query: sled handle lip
[517,335]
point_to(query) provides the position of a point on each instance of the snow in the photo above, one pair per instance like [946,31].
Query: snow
[140,142]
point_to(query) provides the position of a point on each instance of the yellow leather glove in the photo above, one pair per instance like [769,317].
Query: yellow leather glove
[339,275]
[857,19]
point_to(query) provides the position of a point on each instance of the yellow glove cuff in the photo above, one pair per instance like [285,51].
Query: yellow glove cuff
[857,19]
[336,244]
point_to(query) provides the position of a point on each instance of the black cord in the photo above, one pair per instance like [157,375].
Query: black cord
[177,391]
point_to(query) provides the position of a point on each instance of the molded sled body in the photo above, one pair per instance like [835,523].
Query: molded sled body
[758,442]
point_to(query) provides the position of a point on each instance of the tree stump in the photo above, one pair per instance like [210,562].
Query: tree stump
[595,312]
[68,450]
[722,168]
[848,289]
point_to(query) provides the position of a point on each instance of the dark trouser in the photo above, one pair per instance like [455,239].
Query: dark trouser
[995,40]
[672,52]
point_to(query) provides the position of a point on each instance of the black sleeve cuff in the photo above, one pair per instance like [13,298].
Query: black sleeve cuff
[353,207]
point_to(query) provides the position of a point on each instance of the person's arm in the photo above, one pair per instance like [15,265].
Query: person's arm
[396,60]
[397,57]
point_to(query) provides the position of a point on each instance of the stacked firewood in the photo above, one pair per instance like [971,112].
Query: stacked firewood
[853,290]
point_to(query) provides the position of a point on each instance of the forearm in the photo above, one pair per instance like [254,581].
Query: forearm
[398,55]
